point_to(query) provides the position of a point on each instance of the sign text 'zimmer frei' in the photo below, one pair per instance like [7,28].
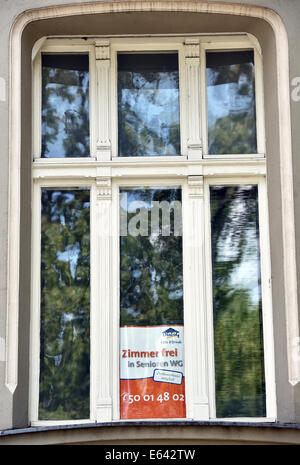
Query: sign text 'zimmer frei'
[152,372]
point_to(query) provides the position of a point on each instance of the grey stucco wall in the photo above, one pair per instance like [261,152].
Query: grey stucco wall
[14,409]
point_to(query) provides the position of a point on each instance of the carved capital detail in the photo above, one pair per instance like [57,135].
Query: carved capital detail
[103,188]
[102,49]
[196,189]
[192,48]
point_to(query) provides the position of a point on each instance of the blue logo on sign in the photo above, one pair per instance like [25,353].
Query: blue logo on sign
[171,332]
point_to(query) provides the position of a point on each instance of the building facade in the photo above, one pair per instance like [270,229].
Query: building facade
[149,242]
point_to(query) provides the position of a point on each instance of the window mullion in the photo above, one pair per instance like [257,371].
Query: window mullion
[196,351]
[103,61]
[102,292]
[192,66]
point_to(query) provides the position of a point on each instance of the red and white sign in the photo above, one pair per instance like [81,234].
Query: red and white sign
[152,372]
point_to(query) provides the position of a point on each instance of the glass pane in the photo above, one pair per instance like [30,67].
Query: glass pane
[65,305]
[151,294]
[148,105]
[231,102]
[239,358]
[65,106]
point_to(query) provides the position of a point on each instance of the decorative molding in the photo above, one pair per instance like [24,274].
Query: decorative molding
[84,169]
[103,144]
[192,66]
[104,190]
[102,50]
[195,288]
[192,48]
[196,188]
[103,291]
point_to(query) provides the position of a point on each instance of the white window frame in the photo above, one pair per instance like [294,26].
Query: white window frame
[104,172]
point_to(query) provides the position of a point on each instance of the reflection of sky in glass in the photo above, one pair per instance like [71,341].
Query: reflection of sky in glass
[70,255]
[231,103]
[224,99]
[238,341]
[65,105]
[148,105]
[246,273]
[157,113]
[64,112]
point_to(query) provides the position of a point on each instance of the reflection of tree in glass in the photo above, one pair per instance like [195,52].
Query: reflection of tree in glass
[239,361]
[231,107]
[65,110]
[151,269]
[148,102]
[65,297]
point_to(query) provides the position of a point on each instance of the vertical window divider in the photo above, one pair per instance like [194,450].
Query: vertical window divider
[93,100]
[37,106]
[192,64]
[209,301]
[203,99]
[266,285]
[94,297]
[115,332]
[259,100]
[195,304]
[103,292]
[103,65]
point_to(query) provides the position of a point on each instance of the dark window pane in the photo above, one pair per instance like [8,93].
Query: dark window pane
[239,358]
[65,305]
[231,102]
[65,106]
[151,288]
[148,105]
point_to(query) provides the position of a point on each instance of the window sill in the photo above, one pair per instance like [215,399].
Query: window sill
[157,432]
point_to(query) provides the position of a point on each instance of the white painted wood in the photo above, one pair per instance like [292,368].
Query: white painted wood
[102,51]
[209,300]
[37,47]
[192,64]
[195,303]
[103,292]
[266,289]
[259,101]
[37,106]
[63,169]
[115,335]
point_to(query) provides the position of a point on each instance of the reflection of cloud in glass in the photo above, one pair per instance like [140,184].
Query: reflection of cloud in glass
[245,273]
[237,305]
[224,100]
[65,105]
[70,255]
[231,102]
[65,111]
[157,115]
[148,104]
